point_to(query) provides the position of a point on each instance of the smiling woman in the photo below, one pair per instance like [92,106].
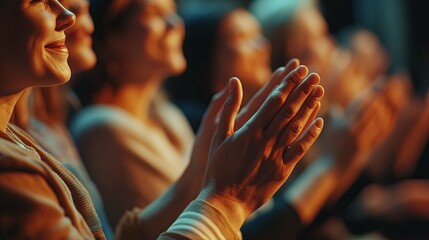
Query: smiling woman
[43,111]
[44,59]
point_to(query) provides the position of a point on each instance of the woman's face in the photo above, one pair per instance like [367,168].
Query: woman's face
[79,39]
[32,46]
[242,52]
[153,37]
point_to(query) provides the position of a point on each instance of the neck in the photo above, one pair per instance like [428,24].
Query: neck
[135,98]
[7,104]
[21,112]
[49,104]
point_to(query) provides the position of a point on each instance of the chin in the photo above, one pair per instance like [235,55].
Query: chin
[177,66]
[82,62]
[59,75]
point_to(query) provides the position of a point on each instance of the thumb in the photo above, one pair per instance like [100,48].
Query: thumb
[229,112]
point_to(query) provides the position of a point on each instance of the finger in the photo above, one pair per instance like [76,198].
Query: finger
[313,115]
[229,111]
[297,150]
[295,127]
[214,107]
[293,104]
[255,102]
[277,98]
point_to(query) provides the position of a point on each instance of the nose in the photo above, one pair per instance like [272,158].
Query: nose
[262,43]
[65,18]
[174,20]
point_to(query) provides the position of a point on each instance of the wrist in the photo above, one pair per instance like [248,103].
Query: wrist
[234,212]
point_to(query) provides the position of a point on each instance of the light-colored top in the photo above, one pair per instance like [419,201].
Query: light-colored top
[41,199]
[201,220]
[55,139]
[131,163]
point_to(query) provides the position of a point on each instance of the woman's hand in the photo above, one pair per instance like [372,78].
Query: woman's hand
[200,153]
[248,164]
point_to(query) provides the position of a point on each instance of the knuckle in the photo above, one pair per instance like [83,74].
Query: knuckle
[307,88]
[294,77]
[277,98]
[288,111]
[312,103]
[300,149]
[313,133]
[295,128]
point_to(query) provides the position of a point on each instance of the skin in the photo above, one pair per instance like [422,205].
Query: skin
[79,40]
[44,61]
[48,103]
[200,172]
[268,167]
[242,51]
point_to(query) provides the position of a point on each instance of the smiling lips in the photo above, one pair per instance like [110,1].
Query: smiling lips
[58,46]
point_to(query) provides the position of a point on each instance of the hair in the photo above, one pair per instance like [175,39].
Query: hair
[199,48]
[109,16]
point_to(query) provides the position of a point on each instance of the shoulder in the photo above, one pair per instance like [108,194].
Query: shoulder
[99,120]
[26,195]
[14,157]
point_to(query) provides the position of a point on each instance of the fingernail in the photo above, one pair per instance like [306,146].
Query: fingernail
[302,71]
[231,85]
[314,78]
[318,92]
[319,123]
[291,62]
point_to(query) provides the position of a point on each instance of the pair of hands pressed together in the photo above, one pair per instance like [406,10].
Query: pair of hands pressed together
[252,152]
[241,158]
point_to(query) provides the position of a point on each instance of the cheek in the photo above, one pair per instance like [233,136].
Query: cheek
[245,59]
[152,34]
[35,55]
[141,42]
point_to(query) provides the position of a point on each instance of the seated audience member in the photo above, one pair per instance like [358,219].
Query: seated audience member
[132,139]
[219,43]
[42,111]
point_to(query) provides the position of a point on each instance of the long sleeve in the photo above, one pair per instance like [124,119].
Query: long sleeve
[201,220]
[25,197]
[39,198]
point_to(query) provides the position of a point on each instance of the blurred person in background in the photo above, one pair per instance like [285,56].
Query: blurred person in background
[131,138]
[219,43]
